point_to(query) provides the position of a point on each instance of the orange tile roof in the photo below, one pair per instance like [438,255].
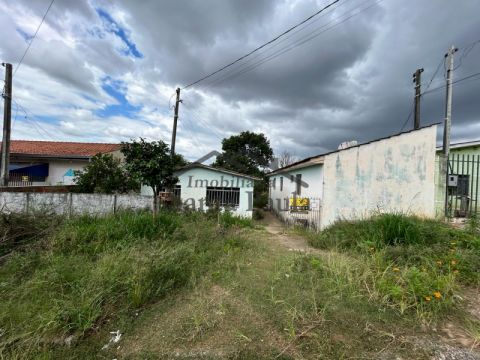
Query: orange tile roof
[59,148]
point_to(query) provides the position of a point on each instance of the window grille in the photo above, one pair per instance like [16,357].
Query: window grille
[223,196]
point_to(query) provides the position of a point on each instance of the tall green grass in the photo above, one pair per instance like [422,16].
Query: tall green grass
[405,262]
[92,270]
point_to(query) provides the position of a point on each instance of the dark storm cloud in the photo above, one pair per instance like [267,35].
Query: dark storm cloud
[353,81]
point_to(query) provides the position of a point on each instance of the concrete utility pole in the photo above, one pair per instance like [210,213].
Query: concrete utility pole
[7,123]
[175,118]
[448,121]
[417,79]
[448,102]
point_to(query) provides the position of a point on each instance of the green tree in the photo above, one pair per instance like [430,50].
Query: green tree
[248,153]
[104,174]
[152,164]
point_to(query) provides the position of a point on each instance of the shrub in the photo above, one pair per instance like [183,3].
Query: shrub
[258,214]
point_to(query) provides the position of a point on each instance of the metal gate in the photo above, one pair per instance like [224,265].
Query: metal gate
[301,211]
[462,185]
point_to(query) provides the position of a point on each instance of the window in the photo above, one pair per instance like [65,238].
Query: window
[299,184]
[177,191]
[223,196]
[274,183]
[281,183]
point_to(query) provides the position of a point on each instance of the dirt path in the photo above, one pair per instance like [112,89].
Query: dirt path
[292,242]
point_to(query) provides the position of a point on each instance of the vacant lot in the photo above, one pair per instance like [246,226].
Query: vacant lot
[191,286]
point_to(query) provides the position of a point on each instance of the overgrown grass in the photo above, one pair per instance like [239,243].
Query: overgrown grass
[17,230]
[93,270]
[405,262]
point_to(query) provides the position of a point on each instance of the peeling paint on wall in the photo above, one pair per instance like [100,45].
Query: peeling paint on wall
[393,174]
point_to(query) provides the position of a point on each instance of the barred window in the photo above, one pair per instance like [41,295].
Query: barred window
[177,191]
[223,196]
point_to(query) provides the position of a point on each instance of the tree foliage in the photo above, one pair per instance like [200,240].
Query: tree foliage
[151,163]
[104,174]
[248,153]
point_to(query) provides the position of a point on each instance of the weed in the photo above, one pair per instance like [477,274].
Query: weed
[407,263]
[93,269]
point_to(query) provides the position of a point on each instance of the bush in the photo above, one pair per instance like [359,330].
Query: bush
[258,214]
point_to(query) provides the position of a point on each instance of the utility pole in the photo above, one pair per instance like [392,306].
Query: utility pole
[7,123]
[175,118]
[448,120]
[417,79]
[448,102]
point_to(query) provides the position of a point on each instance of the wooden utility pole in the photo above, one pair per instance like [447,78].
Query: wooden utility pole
[448,121]
[175,119]
[417,77]
[7,123]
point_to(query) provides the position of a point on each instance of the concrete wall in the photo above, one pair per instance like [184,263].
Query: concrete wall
[194,182]
[71,204]
[394,174]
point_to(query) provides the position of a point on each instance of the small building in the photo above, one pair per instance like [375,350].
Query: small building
[47,163]
[392,174]
[201,187]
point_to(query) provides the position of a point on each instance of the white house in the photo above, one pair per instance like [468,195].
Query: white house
[201,186]
[47,163]
[396,173]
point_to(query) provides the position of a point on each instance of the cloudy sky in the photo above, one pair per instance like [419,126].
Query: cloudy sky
[106,71]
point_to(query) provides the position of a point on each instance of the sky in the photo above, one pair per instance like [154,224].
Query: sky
[106,71]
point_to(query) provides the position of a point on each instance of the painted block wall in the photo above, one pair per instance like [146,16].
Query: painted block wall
[390,175]
[71,204]
[194,182]
[312,176]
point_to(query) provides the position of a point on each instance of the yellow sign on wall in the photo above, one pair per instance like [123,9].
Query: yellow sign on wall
[299,204]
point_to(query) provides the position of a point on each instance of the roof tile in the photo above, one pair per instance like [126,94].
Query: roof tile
[59,148]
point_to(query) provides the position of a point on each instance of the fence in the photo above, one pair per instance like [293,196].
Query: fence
[299,211]
[16,179]
[463,185]
[71,204]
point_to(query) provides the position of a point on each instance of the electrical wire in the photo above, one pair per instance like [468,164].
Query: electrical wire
[263,45]
[314,34]
[453,82]
[277,43]
[33,38]
[408,117]
[33,122]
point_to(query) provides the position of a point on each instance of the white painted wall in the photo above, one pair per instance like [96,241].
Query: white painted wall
[312,176]
[193,188]
[57,169]
[391,175]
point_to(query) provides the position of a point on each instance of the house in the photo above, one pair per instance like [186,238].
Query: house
[201,187]
[392,174]
[463,180]
[51,162]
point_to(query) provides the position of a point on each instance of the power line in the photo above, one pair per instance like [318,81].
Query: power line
[308,37]
[33,122]
[454,82]
[33,37]
[260,53]
[408,117]
[263,45]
